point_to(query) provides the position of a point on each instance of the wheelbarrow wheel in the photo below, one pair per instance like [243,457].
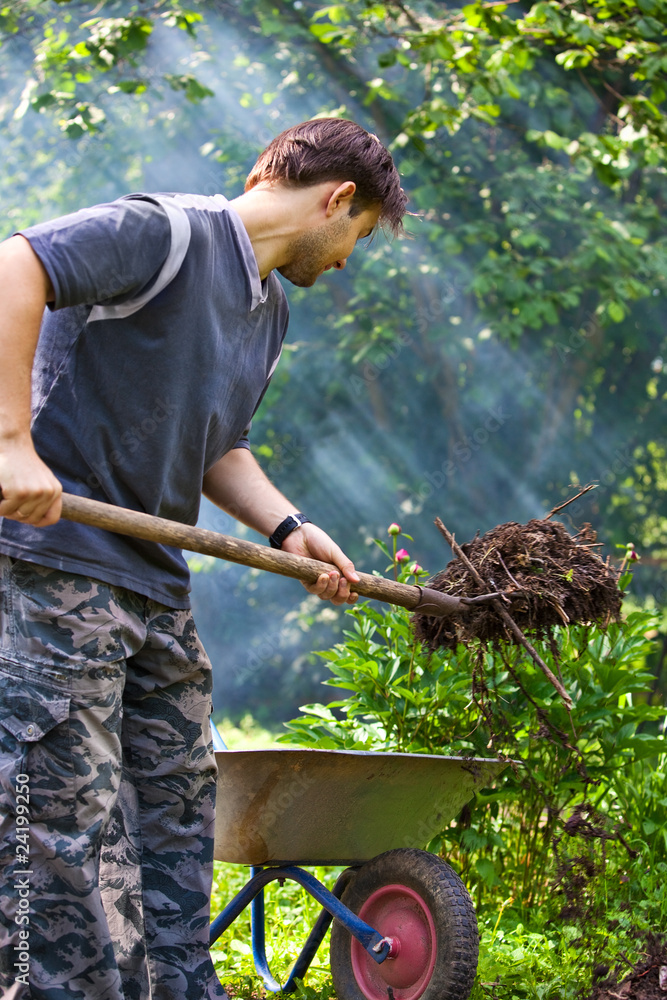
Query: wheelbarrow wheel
[420,903]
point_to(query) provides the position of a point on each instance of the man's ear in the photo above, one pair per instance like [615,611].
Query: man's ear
[341,198]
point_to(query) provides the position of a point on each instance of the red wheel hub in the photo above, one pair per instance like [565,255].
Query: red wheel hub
[401,914]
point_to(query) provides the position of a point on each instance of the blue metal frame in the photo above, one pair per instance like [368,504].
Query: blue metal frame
[309,950]
[253,893]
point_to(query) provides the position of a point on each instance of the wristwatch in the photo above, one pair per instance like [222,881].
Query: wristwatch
[286,527]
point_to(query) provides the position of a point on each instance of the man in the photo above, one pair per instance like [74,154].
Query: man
[164,326]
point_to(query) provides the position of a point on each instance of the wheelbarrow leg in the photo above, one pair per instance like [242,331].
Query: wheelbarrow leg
[376,946]
[309,950]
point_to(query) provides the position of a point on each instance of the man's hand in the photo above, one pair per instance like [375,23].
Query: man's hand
[311,541]
[30,493]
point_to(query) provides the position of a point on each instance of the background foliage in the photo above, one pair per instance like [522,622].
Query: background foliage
[514,346]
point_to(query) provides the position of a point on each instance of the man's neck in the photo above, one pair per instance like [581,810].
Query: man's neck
[261,213]
[274,215]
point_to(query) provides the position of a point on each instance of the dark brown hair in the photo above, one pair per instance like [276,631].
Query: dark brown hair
[335,149]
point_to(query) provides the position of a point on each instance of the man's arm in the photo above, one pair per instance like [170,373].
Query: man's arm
[238,485]
[30,491]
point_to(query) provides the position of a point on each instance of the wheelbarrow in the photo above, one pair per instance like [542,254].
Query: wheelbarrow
[404,926]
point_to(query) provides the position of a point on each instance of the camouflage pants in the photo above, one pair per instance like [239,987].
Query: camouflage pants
[107,793]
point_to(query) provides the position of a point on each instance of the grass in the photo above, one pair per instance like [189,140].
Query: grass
[247,734]
[290,914]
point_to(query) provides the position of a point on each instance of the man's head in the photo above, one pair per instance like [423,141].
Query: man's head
[335,149]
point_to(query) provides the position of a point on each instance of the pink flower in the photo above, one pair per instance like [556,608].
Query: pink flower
[415,568]
[402,555]
[394,529]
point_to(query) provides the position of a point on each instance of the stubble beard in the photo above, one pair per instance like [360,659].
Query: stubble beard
[310,253]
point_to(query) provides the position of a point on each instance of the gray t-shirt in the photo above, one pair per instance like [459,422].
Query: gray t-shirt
[150,364]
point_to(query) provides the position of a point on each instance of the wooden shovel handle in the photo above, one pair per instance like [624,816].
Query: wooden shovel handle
[184,536]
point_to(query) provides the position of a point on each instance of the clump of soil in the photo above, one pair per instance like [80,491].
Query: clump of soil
[647,981]
[551,577]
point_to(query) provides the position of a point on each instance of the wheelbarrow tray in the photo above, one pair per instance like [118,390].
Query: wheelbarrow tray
[344,807]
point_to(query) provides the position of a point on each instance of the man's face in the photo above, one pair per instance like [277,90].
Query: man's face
[326,246]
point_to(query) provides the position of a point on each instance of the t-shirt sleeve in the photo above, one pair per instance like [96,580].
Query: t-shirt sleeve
[103,254]
[244,440]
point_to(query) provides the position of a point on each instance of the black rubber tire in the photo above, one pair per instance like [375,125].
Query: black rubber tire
[446,899]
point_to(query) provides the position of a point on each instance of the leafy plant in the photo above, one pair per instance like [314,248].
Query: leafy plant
[571,773]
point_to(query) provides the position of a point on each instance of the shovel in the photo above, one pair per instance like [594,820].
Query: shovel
[156,529]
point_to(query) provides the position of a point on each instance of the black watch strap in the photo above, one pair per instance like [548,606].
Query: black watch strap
[286,527]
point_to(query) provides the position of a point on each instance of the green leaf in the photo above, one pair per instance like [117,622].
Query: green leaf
[194,90]
[386,59]
[574,58]
[616,311]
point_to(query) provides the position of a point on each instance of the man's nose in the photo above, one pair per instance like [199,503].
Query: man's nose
[340,264]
